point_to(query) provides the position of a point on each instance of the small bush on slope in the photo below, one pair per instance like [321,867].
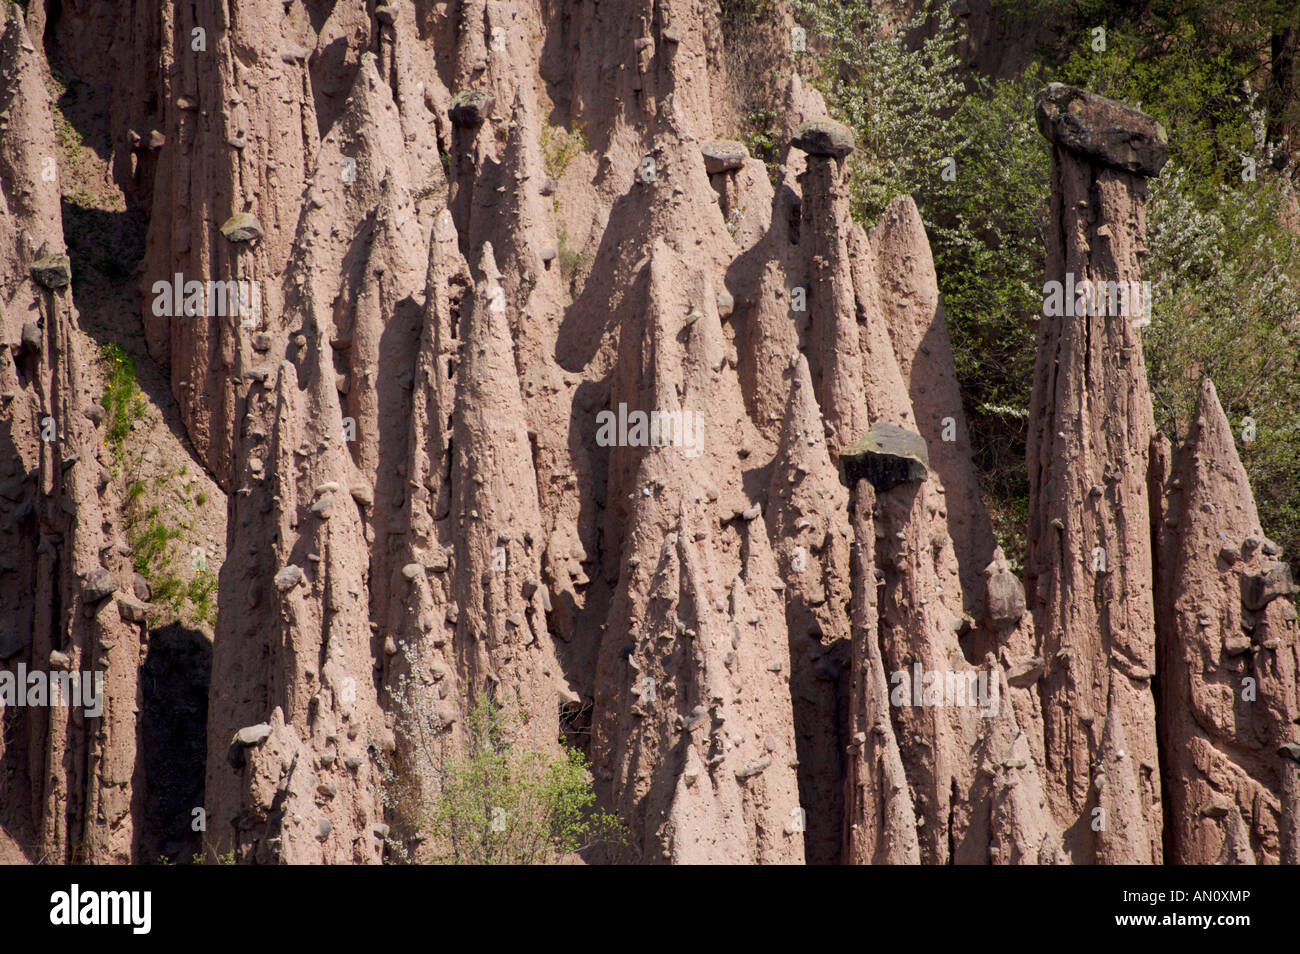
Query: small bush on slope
[497,801]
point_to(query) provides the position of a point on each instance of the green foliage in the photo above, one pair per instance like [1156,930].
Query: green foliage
[1224,256]
[913,119]
[1196,93]
[988,231]
[560,147]
[200,591]
[756,63]
[1223,263]
[227,859]
[1224,272]
[760,131]
[154,539]
[134,489]
[123,403]
[504,802]
[756,10]
[150,542]
[894,97]
[911,115]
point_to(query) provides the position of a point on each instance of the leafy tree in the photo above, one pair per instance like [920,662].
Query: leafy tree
[504,804]
[494,799]
[896,98]
[968,151]
[1222,233]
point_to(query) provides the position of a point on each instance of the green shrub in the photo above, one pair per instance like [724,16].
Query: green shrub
[560,147]
[573,263]
[200,591]
[150,542]
[761,133]
[495,799]
[122,400]
[505,804]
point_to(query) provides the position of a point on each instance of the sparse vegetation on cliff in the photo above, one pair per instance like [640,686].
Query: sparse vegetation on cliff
[448,568]
[560,147]
[122,401]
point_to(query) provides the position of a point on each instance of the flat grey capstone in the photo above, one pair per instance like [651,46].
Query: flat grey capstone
[886,456]
[723,155]
[824,137]
[242,227]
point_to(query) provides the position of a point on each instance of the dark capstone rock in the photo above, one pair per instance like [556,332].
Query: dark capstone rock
[824,137]
[470,107]
[386,14]
[887,456]
[723,155]
[1101,129]
[52,271]
[99,585]
[245,738]
[31,338]
[253,734]
[242,227]
[1271,582]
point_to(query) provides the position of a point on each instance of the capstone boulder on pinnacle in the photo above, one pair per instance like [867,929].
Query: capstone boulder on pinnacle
[888,455]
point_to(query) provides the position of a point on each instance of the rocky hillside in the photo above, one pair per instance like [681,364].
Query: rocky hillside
[506,369]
